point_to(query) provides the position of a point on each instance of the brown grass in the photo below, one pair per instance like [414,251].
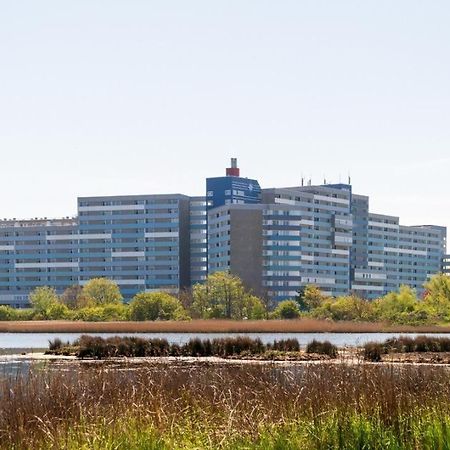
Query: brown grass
[46,406]
[215,326]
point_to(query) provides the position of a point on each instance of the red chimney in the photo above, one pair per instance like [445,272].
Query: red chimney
[233,171]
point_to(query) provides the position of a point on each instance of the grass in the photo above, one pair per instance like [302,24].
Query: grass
[373,351]
[304,325]
[130,346]
[322,348]
[321,406]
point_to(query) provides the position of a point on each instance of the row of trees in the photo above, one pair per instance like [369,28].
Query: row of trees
[223,296]
[400,307]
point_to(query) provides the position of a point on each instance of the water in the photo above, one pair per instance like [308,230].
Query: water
[18,342]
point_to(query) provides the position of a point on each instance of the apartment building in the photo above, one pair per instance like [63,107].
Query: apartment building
[277,240]
[139,241]
[297,236]
[37,252]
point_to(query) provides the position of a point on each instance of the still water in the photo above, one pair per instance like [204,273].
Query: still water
[35,341]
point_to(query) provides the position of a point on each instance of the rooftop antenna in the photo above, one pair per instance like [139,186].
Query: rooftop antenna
[303,180]
[349,179]
[309,182]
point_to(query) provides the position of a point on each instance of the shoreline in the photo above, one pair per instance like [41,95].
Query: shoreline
[350,358]
[215,326]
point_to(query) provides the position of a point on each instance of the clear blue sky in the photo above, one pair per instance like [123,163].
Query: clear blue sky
[120,97]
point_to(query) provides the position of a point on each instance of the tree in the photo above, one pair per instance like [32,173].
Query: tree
[155,306]
[223,296]
[351,308]
[42,299]
[437,297]
[310,297]
[438,285]
[73,297]
[101,291]
[398,307]
[287,309]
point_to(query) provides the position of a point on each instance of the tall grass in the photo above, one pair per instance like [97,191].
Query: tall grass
[212,407]
[373,351]
[97,347]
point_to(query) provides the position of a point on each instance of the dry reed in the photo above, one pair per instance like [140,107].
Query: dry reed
[206,406]
[303,325]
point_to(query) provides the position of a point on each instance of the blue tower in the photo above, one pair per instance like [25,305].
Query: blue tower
[232,189]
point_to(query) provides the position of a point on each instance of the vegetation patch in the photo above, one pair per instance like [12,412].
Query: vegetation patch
[203,406]
[322,348]
[374,351]
[230,347]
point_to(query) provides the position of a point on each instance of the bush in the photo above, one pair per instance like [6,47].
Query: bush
[93,314]
[156,306]
[373,351]
[237,345]
[56,344]
[322,348]
[97,347]
[285,345]
[92,347]
[101,291]
[58,311]
[6,313]
[405,344]
[287,309]
[198,347]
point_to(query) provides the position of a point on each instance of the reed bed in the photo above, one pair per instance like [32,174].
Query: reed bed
[322,406]
[303,325]
[374,351]
[237,346]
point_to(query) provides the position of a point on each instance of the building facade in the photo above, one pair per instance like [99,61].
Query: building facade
[277,240]
[37,252]
[141,242]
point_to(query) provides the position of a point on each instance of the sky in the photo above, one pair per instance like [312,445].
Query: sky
[105,97]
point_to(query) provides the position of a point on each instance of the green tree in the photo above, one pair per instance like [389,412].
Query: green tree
[6,313]
[101,291]
[397,307]
[155,306]
[43,299]
[310,297]
[437,297]
[351,308]
[287,309]
[223,296]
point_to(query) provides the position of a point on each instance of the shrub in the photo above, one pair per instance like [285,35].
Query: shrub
[285,345]
[405,344]
[237,345]
[287,309]
[158,347]
[373,351]
[58,311]
[155,306]
[198,347]
[93,314]
[6,313]
[92,347]
[56,344]
[101,291]
[322,348]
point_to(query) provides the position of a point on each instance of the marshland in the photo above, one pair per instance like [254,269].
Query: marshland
[213,406]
